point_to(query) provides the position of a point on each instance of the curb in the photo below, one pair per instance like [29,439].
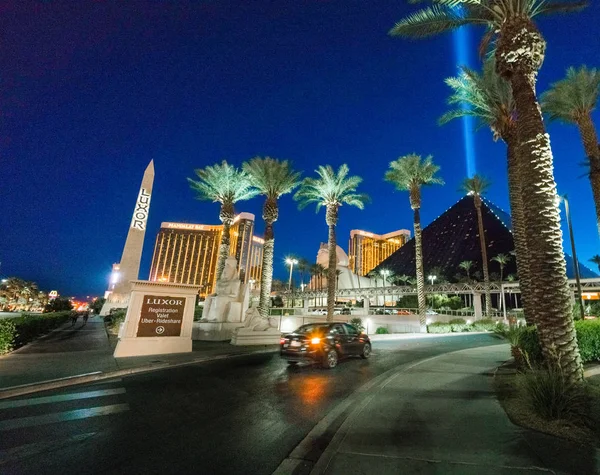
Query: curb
[303,459]
[30,388]
[414,336]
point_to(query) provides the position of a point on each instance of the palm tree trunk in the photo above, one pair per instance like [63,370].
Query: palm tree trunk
[419,271]
[226,216]
[519,226]
[484,259]
[519,54]
[267,271]
[592,151]
[331,218]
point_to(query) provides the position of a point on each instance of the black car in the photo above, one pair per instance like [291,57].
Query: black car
[324,343]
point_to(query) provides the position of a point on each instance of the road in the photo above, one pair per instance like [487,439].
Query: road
[238,416]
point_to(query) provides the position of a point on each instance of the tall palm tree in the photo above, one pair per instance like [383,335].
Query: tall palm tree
[488,98]
[572,100]
[331,189]
[596,260]
[519,54]
[338,272]
[466,266]
[303,267]
[225,184]
[410,173]
[502,260]
[477,186]
[272,178]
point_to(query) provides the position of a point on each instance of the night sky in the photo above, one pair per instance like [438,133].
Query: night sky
[90,91]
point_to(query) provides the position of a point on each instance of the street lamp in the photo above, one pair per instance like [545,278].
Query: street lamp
[432,279]
[290,262]
[384,273]
[565,200]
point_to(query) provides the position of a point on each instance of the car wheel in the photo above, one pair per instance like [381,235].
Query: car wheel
[366,352]
[330,360]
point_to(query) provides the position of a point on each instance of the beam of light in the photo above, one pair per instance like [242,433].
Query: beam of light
[462,47]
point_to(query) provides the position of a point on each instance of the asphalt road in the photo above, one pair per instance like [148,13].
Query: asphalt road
[238,416]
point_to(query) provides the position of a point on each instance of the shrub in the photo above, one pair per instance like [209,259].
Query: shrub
[357,323]
[459,325]
[382,331]
[529,344]
[485,325]
[198,312]
[439,327]
[116,318]
[8,330]
[18,331]
[551,396]
[588,337]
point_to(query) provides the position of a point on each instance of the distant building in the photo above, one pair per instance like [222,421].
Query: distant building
[368,250]
[187,253]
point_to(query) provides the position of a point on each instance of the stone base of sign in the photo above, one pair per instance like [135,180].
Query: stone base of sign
[214,331]
[108,306]
[159,319]
[246,336]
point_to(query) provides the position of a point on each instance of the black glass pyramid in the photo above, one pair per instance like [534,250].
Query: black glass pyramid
[453,237]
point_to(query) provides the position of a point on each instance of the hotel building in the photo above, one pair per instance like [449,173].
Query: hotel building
[368,250]
[187,253]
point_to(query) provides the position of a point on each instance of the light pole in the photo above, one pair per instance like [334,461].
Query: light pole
[384,273]
[290,262]
[432,279]
[575,261]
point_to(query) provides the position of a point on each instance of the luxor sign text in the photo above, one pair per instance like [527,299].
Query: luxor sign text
[140,215]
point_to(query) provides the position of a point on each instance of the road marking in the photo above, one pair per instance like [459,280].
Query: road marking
[59,398]
[55,417]
[23,451]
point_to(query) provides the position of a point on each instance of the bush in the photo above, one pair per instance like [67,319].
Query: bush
[459,325]
[588,337]
[485,325]
[551,396]
[198,313]
[18,331]
[439,327]
[357,323]
[382,331]
[529,344]
[116,318]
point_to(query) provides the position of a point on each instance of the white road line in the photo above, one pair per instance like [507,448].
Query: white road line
[66,416]
[23,451]
[59,398]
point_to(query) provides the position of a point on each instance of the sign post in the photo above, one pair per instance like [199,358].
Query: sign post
[159,319]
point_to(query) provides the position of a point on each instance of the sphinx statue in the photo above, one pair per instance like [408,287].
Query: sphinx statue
[230,300]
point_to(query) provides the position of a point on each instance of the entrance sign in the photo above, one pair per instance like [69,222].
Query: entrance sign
[161,316]
[159,319]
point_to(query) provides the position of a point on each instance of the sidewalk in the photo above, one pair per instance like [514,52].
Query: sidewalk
[83,349]
[441,416]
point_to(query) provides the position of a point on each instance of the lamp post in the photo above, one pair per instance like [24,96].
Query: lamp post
[432,279]
[290,262]
[384,273]
[575,261]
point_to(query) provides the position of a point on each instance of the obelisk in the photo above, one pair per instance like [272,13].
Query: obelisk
[128,268]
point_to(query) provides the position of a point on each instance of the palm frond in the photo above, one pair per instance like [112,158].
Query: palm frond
[428,22]
[550,8]
[272,177]
[222,183]
[476,185]
[412,171]
[331,188]
[574,96]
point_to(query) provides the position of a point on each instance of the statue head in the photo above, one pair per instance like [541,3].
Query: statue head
[229,271]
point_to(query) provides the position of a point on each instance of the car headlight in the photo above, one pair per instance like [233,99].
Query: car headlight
[315,341]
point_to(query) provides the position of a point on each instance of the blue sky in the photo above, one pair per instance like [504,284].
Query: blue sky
[89,93]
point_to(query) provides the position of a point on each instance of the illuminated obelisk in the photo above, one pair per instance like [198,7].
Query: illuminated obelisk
[128,268]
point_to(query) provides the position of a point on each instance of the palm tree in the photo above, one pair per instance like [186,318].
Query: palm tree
[227,185]
[410,173]
[272,178]
[488,98]
[403,279]
[303,267]
[519,54]
[596,260]
[477,186]
[331,189]
[338,272]
[466,266]
[572,100]
[502,260]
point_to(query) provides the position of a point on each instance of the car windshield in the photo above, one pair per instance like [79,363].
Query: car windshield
[312,328]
